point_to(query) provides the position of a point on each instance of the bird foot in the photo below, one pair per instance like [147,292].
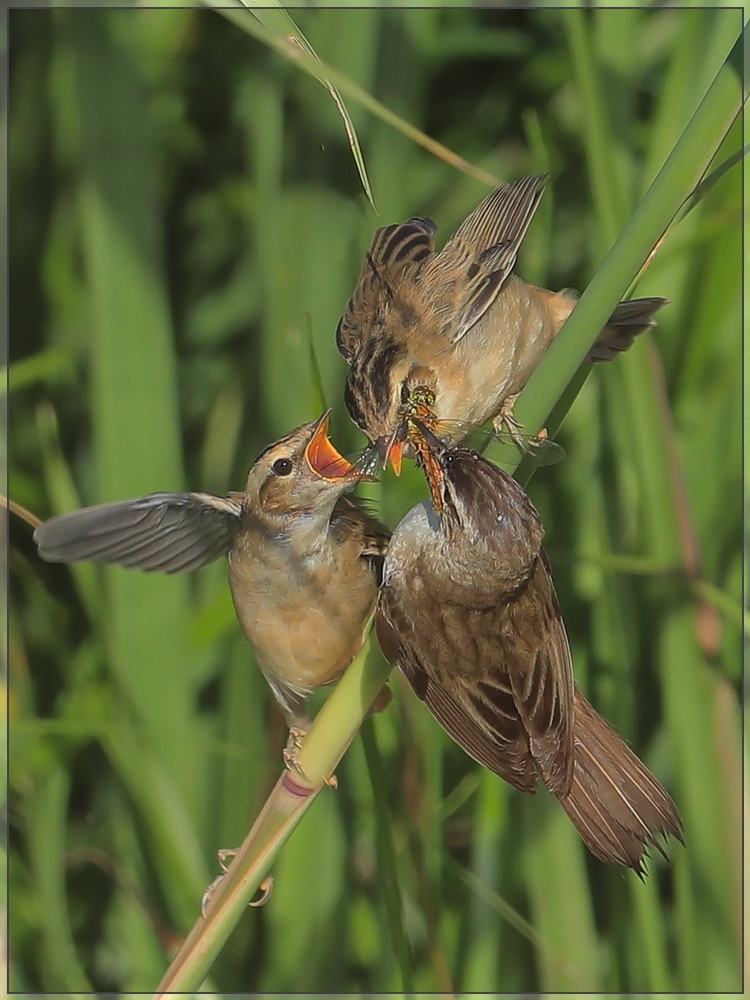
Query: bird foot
[226,856]
[506,421]
[292,749]
[291,757]
[208,894]
[505,417]
[265,888]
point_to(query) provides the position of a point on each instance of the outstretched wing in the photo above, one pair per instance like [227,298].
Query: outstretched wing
[170,532]
[482,252]
[503,216]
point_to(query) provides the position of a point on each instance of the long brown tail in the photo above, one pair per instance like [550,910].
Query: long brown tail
[615,803]
[626,322]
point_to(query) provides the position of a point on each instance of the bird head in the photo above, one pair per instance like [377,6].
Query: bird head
[487,520]
[380,386]
[416,416]
[302,474]
[376,330]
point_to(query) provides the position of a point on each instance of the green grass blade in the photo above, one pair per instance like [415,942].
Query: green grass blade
[598,135]
[134,394]
[678,177]
[333,730]
[279,23]
[561,908]
[387,858]
[48,804]
[314,66]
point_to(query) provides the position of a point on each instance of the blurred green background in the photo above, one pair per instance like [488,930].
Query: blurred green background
[186,225]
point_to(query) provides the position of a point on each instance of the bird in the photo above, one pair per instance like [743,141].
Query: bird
[305,558]
[458,324]
[469,613]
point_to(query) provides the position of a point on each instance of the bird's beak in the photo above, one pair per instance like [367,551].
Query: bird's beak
[325,461]
[392,449]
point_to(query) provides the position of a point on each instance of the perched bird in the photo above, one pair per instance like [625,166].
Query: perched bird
[458,323]
[469,613]
[305,560]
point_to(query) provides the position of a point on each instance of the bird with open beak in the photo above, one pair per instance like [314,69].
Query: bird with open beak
[469,613]
[305,560]
[457,324]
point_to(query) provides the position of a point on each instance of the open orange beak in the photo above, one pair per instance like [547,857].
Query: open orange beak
[393,450]
[325,461]
[395,455]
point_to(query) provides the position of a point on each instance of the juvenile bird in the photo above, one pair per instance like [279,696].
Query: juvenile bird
[469,613]
[458,323]
[305,560]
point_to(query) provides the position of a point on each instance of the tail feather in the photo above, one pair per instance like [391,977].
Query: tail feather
[615,803]
[626,322]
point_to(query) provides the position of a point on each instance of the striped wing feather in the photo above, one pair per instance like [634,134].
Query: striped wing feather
[168,532]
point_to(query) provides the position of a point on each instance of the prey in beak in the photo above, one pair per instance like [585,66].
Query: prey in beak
[326,462]
[418,408]
[429,451]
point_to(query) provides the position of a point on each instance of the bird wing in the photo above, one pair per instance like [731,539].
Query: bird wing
[482,252]
[541,677]
[171,532]
[499,743]
[503,216]
[493,738]
[352,515]
[393,250]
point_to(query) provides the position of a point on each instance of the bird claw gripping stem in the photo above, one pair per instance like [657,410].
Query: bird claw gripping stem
[226,856]
[290,756]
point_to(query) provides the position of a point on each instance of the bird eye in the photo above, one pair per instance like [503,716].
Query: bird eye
[282,466]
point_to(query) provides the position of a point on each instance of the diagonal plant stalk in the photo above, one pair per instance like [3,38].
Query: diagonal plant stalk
[674,184]
[343,713]
[280,25]
[274,30]
[335,726]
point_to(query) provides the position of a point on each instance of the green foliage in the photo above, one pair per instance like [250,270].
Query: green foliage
[186,225]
